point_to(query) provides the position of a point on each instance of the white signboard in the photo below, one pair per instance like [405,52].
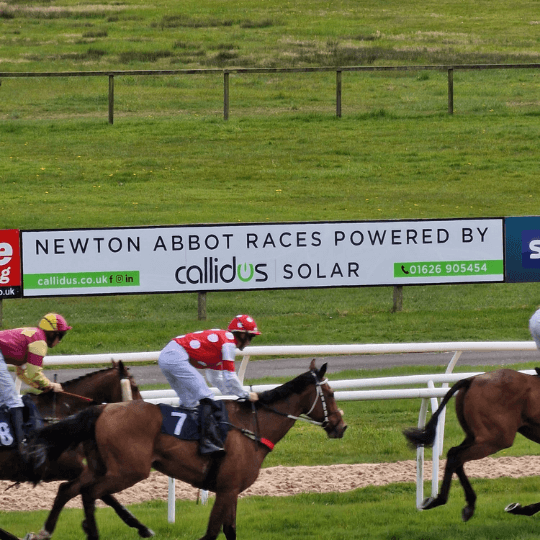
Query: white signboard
[260,256]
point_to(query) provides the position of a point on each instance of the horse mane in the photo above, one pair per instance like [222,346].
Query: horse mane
[88,375]
[295,386]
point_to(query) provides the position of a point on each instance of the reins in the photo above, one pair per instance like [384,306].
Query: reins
[256,416]
[54,418]
[84,398]
[305,417]
[255,436]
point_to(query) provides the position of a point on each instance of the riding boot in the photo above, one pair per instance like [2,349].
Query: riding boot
[35,456]
[210,442]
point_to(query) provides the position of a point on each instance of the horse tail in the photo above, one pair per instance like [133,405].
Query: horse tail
[426,436]
[65,434]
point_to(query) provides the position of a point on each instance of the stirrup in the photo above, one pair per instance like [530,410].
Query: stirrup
[207,448]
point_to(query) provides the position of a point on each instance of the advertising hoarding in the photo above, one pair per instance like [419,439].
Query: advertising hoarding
[522,249]
[10,264]
[195,258]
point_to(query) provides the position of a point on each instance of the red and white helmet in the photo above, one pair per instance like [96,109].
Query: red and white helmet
[244,323]
[53,322]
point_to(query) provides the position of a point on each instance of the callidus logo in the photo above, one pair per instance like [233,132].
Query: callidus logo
[214,271]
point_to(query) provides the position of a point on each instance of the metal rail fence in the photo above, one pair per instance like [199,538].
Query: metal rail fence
[347,390]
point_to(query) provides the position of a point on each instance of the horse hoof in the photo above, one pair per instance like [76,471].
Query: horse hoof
[512,507]
[148,533]
[41,535]
[428,504]
[467,513]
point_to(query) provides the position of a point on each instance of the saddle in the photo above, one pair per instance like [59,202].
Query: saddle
[184,422]
[32,420]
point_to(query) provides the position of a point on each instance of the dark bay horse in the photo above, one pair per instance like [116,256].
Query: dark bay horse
[491,408]
[123,442]
[97,387]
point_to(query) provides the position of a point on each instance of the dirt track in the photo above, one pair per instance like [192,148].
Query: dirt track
[279,481]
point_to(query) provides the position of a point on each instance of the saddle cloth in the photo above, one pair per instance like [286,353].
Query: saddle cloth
[32,420]
[183,422]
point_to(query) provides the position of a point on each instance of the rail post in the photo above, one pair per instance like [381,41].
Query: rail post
[111,99]
[397,298]
[338,93]
[450,90]
[225,95]
[201,306]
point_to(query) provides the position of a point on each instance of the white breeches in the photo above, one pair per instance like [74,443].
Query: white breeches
[185,380]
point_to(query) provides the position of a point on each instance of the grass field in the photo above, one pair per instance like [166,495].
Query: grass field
[380,513]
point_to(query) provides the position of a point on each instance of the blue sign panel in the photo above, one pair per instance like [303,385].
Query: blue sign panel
[522,249]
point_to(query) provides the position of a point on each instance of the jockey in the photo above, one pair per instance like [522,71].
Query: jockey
[534,327]
[25,348]
[213,351]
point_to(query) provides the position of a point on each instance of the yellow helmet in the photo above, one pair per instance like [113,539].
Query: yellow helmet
[53,322]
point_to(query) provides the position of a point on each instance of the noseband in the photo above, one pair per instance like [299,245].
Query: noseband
[305,417]
[320,394]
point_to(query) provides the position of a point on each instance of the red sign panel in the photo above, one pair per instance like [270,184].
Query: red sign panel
[10,264]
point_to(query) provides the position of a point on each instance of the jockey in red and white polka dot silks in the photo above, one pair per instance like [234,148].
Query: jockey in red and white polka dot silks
[211,350]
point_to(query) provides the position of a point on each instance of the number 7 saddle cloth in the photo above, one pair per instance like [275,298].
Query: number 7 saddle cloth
[184,422]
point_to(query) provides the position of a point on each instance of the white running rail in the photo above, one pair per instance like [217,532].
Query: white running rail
[348,390]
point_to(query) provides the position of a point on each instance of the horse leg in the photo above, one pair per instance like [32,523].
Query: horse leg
[229,524]
[470,495]
[223,511]
[127,517]
[89,524]
[6,535]
[518,510]
[456,457]
[66,492]
[442,497]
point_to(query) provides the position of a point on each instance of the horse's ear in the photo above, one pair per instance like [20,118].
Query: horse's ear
[322,371]
[121,366]
[312,366]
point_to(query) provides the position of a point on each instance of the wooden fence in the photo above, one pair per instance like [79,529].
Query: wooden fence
[226,73]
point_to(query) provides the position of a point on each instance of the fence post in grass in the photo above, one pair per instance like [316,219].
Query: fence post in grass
[338,93]
[201,308]
[450,90]
[398,298]
[225,95]
[111,99]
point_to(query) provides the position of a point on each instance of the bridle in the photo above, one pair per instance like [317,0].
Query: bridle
[305,417]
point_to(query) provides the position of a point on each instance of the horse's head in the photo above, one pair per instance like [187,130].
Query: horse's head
[105,385]
[324,408]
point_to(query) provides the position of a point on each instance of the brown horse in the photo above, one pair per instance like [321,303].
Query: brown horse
[491,408]
[124,441]
[78,394]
